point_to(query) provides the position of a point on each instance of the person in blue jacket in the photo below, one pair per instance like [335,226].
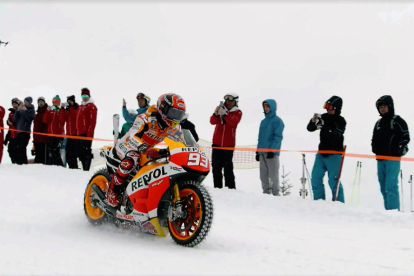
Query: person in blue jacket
[143,104]
[270,138]
[390,140]
[332,126]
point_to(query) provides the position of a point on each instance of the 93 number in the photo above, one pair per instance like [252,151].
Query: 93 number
[196,159]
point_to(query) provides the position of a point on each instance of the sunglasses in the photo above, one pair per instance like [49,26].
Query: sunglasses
[84,96]
[328,107]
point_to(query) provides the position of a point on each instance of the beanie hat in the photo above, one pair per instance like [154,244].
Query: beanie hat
[336,102]
[71,98]
[85,91]
[41,99]
[56,99]
[15,100]
[29,100]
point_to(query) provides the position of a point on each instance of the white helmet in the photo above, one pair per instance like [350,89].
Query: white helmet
[232,96]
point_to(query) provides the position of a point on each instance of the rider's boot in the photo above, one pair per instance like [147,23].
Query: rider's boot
[114,190]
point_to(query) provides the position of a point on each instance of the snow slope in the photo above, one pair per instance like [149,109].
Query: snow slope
[43,231]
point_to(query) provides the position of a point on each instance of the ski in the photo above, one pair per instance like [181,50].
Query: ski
[116,127]
[338,181]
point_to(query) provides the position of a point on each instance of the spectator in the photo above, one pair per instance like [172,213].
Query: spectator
[12,133]
[143,104]
[68,115]
[332,127]
[126,126]
[85,127]
[226,117]
[390,138]
[23,117]
[186,124]
[2,113]
[54,127]
[40,141]
[270,137]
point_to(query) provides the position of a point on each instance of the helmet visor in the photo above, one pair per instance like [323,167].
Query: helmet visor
[175,114]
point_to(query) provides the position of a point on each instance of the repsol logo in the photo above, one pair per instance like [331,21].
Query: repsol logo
[190,149]
[147,178]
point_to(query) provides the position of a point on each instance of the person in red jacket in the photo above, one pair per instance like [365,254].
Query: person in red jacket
[12,133]
[226,117]
[68,115]
[39,126]
[2,113]
[85,127]
[54,126]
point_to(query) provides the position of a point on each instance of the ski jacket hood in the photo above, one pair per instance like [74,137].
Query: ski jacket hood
[387,99]
[273,108]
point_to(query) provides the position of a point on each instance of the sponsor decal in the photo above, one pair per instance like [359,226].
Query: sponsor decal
[178,169]
[156,183]
[192,149]
[123,216]
[147,178]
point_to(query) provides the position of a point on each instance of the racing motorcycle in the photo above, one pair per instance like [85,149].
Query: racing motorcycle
[162,195]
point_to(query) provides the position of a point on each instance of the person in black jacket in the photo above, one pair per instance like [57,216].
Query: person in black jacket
[186,124]
[23,117]
[332,126]
[390,139]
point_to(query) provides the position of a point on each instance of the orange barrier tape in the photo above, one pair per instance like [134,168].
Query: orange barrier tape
[370,156]
[60,135]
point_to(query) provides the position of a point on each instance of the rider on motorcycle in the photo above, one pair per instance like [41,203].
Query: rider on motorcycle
[148,130]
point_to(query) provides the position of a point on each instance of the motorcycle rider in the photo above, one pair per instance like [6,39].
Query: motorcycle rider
[148,129]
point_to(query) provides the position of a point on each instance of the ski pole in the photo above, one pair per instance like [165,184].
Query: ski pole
[353,185]
[411,184]
[402,193]
[339,175]
[359,183]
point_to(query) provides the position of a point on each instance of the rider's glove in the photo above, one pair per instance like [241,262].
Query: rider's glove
[151,153]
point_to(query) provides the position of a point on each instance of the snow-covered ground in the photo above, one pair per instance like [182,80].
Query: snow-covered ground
[43,230]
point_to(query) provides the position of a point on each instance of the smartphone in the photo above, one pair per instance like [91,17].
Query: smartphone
[221,103]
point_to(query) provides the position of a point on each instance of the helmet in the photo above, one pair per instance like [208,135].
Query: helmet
[232,96]
[171,108]
[146,97]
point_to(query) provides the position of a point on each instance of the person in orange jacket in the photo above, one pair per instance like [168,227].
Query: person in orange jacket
[54,126]
[148,130]
[85,127]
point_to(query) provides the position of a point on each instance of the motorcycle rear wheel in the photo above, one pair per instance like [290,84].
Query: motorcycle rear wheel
[94,214]
[198,206]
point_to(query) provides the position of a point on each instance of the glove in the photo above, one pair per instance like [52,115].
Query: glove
[151,153]
[403,150]
[222,111]
[319,122]
[64,105]
[257,157]
[270,155]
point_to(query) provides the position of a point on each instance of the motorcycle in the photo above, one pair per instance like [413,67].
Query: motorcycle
[164,195]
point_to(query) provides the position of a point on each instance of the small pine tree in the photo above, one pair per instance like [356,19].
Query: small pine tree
[285,187]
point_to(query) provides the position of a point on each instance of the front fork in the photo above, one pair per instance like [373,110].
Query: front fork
[177,201]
